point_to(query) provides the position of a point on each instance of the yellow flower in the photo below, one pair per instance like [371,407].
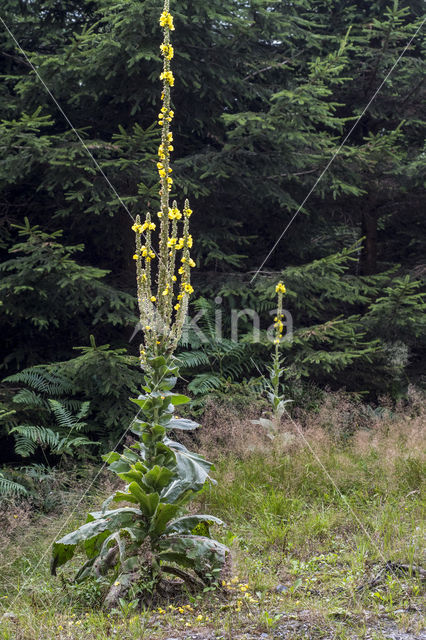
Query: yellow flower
[170,136]
[177,307]
[191,262]
[147,328]
[136,257]
[166,20]
[189,288]
[174,278]
[170,79]
[153,299]
[167,51]
[280,288]
[162,173]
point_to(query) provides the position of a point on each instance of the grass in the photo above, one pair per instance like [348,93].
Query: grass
[305,549]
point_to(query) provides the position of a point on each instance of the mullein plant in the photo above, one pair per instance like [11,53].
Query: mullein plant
[273,384]
[154,544]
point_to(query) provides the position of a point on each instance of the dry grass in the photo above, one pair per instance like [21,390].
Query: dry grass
[318,511]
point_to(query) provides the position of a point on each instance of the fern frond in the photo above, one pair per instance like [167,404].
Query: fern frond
[204,383]
[29,398]
[39,379]
[63,417]
[193,359]
[10,488]
[31,436]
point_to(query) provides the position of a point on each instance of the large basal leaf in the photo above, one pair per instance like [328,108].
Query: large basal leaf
[204,553]
[98,523]
[63,550]
[187,523]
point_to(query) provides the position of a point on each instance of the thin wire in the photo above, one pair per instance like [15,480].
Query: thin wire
[343,497]
[64,115]
[80,500]
[330,162]
[33,569]
[330,478]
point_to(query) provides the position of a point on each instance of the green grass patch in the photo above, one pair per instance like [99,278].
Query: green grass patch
[305,552]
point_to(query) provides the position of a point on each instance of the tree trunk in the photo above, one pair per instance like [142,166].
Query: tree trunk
[368,259]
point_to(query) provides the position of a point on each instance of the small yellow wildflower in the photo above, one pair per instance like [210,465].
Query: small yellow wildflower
[166,20]
[170,79]
[136,257]
[167,51]
[153,299]
[280,288]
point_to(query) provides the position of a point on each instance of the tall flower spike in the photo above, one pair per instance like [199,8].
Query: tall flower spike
[278,322]
[162,314]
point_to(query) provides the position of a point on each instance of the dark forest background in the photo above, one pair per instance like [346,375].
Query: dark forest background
[265,93]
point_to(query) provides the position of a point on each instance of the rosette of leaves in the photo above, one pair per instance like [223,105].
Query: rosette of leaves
[153,538]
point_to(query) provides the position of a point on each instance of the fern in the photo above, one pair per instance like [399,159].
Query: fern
[29,437]
[10,488]
[65,419]
[44,418]
[37,378]
[59,441]
[204,383]
[29,398]
[213,362]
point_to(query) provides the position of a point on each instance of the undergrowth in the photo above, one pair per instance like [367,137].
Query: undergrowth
[314,517]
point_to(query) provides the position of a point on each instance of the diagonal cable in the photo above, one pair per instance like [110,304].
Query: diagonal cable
[334,156]
[340,494]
